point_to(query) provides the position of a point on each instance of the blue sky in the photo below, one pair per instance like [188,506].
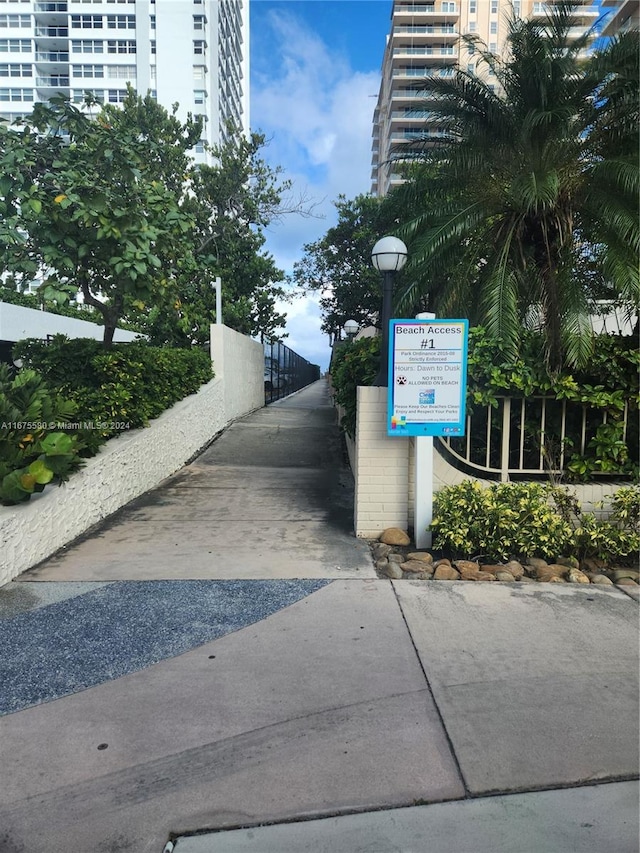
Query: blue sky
[315,73]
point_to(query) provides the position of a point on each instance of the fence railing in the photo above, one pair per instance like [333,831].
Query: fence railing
[531,437]
[285,371]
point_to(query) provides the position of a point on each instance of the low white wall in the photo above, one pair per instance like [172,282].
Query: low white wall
[130,465]
[384,472]
[241,361]
[18,323]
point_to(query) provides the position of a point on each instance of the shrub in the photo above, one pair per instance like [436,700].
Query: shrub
[34,451]
[505,520]
[128,384]
[520,520]
[354,363]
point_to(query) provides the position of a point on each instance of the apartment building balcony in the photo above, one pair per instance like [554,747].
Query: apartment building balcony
[426,12]
[448,53]
[52,56]
[449,32]
[585,14]
[421,71]
[422,134]
[56,81]
[52,6]
[625,17]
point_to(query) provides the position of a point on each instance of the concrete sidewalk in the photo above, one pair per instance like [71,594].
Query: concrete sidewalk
[214,715]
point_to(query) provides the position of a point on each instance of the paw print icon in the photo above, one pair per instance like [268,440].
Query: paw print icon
[401,380]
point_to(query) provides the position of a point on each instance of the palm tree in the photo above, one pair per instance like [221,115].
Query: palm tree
[537,173]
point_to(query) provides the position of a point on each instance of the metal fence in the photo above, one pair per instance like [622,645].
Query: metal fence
[532,437]
[285,371]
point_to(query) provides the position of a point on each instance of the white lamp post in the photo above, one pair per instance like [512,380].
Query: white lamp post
[389,255]
[351,328]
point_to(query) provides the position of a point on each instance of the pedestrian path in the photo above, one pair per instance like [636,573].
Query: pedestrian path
[270,498]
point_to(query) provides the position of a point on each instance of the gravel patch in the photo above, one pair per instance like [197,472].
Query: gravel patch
[104,634]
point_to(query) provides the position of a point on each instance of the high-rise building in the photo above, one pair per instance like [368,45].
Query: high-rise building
[623,15]
[425,41]
[193,52]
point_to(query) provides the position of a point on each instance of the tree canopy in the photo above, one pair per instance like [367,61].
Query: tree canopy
[532,194]
[108,202]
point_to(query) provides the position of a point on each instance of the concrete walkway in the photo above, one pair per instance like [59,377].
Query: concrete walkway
[147,703]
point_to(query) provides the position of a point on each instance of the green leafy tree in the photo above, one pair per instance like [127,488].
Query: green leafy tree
[338,265]
[538,175]
[96,208]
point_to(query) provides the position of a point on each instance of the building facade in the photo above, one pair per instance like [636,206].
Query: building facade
[425,41]
[622,15]
[191,52]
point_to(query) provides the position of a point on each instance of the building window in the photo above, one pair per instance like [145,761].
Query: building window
[15,45]
[121,22]
[199,97]
[471,49]
[25,95]
[473,7]
[198,22]
[152,47]
[87,46]
[199,146]
[517,8]
[153,73]
[86,22]
[199,47]
[117,96]
[16,70]
[80,94]
[90,71]
[121,47]
[152,21]
[199,72]
[15,22]
[494,7]
[493,47]
[493,28]
[473,26]
[122,72]
[448,7]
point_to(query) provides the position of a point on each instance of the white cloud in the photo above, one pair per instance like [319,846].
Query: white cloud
[316,112]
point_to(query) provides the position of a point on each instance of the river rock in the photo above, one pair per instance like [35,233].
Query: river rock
[485,576]
[393,570]
[468,573]
[601,579]
[381,565]
[466,564]
[395,536]
[504,576]
[536,562]
[626,582]
[525,579]
[570,562]
[396,558]
[442,562]
[618,574]
[425,556]
[550,569]
[446,573]
[553,579]
[516,569]
[491,567]
[414,567]
[380,550]
[576,576]
[592,564]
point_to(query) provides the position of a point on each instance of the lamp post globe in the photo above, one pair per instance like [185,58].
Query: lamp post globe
[389,255]
[351,328]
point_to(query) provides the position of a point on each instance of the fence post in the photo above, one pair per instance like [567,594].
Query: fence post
[506,439]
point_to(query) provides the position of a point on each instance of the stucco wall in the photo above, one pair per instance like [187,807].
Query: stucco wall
[135,462]
[18,323]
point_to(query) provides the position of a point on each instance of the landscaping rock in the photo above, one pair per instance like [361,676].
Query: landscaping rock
[468,573]
[442,562]
[576,576]
[516,569]
[553,579]
[395,536]
[466,564]
[602,579]
[498,567]
[415,567]
[505,576]
[571,562]
[446,572]
[552,569]
[380,550]
[381,565]
[485,576]
[425,556]
[393,571]
[626,582]
[619,574]
[525,579]
[396,558]
[536,562]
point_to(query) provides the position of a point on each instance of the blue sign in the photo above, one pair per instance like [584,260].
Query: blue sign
[427,377]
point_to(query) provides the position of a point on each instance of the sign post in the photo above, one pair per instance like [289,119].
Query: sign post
[427,397]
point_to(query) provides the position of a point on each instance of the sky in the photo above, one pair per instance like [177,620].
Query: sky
[315,75]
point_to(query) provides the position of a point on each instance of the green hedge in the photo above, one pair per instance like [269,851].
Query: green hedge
[120,388]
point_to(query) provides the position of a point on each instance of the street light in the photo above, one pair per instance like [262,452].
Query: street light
[351,328]
[389,255]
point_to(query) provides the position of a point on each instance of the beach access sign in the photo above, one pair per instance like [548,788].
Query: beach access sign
[427,377]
